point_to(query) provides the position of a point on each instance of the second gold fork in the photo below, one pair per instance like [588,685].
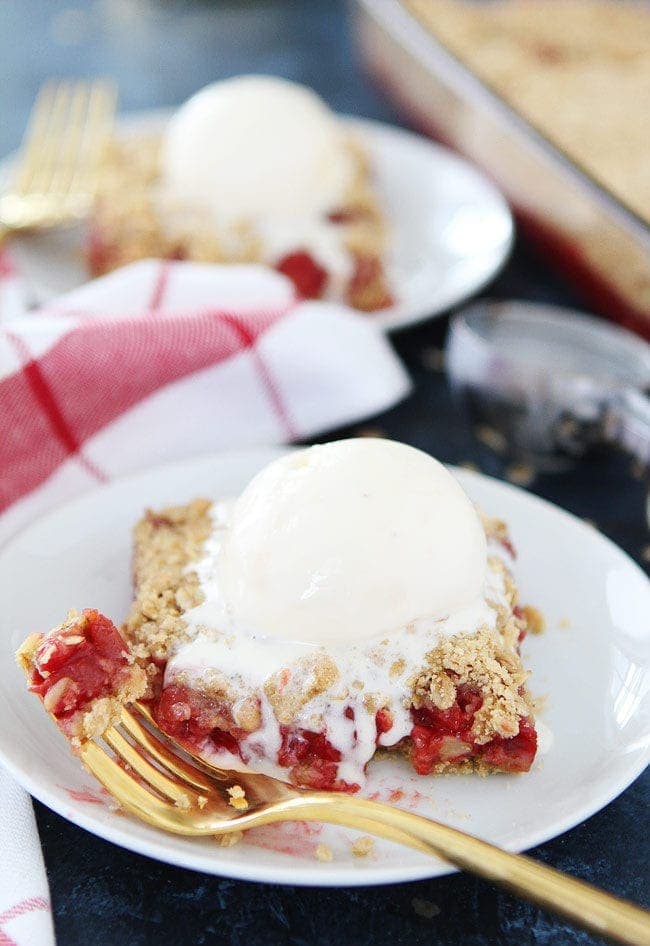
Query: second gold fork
[56,173]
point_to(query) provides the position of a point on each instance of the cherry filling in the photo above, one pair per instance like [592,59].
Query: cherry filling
[192,717]
[383,721]
[440,736]
[80,662]
[513,755]
[307,276]
[312,759]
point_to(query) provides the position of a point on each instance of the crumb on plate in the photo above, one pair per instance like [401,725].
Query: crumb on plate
[363,846]
[230,839]
[534,619]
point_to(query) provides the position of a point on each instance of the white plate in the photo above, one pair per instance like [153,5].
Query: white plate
[593,673]
[451,228]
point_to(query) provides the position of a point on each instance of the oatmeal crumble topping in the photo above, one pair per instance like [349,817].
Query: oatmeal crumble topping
[323,853]
[165,544]
[26,651]
[481,661]
[289,690]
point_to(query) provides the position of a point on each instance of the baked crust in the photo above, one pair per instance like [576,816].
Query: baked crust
[165,544]
[550,60]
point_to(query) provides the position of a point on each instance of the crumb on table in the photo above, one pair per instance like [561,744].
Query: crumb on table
[425,908]
[432,358]
[521,474]
[491,438]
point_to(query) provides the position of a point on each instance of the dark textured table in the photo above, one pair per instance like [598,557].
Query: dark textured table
[106,896]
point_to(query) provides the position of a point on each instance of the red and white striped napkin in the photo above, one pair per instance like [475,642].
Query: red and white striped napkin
[25,914]
[160,361]
[156,362]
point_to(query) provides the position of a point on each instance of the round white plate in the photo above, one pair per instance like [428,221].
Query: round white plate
[451,228]
[591,665]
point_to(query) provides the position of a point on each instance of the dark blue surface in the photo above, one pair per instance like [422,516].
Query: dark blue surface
[106,896]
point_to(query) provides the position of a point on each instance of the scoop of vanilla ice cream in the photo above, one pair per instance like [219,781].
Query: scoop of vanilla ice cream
[348,541]
[256,146]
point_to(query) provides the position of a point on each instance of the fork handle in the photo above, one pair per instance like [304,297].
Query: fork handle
[597,911]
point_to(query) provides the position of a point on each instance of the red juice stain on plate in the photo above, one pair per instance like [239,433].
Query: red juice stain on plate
[85,795]
[405,797]
[297,839]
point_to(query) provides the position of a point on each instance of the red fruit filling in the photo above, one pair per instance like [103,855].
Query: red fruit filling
[190,717]
[440,736]
[100,257]
[347,215]
[78,663]
[307,276]
[515,754]
[313,760]
[383,721]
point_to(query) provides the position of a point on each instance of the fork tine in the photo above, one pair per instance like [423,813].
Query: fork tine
[57,175]
[101,111]
[34,133]
[46,151]
[100,114]
[67,156]
[122,786]
[170,789]
[163,755]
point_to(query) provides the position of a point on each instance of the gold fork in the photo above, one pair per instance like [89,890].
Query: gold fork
[153,782]
[55,178]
